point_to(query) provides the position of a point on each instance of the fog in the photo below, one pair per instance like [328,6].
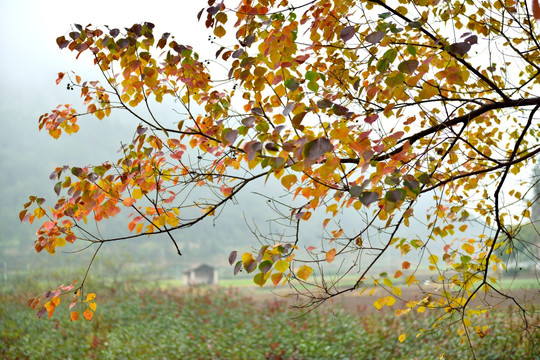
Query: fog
[29,66]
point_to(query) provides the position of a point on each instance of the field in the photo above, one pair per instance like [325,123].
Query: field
[226,323]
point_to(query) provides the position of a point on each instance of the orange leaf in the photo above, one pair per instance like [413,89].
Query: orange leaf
[90,297]
[276,278]
[88,315]
[74,315]
[331,255]
[288,180]
[128,201]
[406,265]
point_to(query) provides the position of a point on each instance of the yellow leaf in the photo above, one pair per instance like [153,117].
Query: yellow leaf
[172,221]
[92,306]
[410,280]
[288,180]
[402,337]
[390,300]
[421,309]
[90,297]
[219,31]
[379,303]
[387,282]
[396,291]
[160,221]
[281,266]
[468,248]
[247,258]
[433,259]
[304,272]
[60,241]
[137,193]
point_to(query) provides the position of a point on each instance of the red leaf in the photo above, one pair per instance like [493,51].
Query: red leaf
[536,9]
[60,77]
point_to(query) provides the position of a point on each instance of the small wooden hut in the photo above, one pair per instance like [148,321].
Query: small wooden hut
[201,275]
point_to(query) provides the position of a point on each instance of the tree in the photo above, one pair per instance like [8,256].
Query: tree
[359,109]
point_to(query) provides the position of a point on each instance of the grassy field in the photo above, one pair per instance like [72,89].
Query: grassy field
[224,324]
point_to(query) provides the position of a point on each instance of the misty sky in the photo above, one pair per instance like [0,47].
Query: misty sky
[29,66]
[31,61]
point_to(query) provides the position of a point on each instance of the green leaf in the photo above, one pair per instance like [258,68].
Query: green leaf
[424,179]
[411,50]
[390,55]
[259,279]
[408,66]
[265,266]
[100,170]
[311,75]
[292,84]
[313,86]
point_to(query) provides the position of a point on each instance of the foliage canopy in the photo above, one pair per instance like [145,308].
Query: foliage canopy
[358,108]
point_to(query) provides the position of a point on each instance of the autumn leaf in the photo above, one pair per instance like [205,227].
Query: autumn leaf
[88,315]
[288,180]
[341,106]
[232,257]
[331,255]
[315,149]
[276,278]
[347,33]
[281,265]
[74,315]
[536,9]
[304,272]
